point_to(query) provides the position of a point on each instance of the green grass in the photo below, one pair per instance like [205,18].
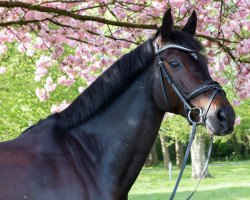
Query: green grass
[231,181]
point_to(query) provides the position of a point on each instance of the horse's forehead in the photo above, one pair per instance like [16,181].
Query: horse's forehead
[159,44]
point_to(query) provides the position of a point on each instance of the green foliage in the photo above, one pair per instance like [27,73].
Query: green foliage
[19,104]
[244,112]
[175,127]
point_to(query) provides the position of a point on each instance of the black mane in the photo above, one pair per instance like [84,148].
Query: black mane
[107,86]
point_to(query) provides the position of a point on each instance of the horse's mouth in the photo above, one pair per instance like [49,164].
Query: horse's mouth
[214,128]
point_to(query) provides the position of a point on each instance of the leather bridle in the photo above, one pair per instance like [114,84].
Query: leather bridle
[186,99]
[190,110]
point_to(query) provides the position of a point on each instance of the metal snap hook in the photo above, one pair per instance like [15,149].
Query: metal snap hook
[192,111]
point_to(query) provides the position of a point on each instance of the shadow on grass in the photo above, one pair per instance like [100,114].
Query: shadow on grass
[229,193]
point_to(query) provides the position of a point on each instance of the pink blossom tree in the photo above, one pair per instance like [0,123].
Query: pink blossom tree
[97,32]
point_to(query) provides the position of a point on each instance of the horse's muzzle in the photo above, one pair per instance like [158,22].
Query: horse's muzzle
[221,121]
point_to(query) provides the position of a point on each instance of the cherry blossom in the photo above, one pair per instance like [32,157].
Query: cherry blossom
[49,85]
[2,70]
[83,48]
[42,94]
[237,121]
[65,81]
[3,49]
[236,102]
[81,89]
[60,107]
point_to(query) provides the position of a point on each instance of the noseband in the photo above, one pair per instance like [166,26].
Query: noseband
[190,110]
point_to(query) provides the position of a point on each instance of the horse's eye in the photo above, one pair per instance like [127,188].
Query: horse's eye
[174,64]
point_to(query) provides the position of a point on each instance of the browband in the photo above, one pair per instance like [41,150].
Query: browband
[173,46]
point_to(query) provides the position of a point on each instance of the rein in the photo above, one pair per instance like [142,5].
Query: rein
[207,86]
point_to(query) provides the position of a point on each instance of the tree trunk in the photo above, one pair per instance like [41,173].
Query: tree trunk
[179,152]
[247,146]
[198,157]
[165,152]
[152,157]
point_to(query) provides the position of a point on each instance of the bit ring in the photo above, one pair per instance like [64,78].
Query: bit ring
[190,118]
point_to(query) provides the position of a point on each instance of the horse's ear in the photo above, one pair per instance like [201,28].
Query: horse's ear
[191,24]
[167,25]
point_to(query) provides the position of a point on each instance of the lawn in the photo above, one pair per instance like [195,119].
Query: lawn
[231,181]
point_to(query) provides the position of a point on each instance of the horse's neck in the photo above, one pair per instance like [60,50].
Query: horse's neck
[119,138]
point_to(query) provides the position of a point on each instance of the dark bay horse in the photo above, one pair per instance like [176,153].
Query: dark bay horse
[95,149]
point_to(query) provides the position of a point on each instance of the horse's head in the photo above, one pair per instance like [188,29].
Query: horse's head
[182,67]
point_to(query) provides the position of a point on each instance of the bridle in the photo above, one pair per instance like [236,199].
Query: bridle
[190,110]
[207,86]
[186,99]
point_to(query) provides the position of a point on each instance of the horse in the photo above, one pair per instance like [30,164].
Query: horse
[96,147]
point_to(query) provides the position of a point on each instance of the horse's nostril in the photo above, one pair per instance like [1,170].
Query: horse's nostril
[222,116]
